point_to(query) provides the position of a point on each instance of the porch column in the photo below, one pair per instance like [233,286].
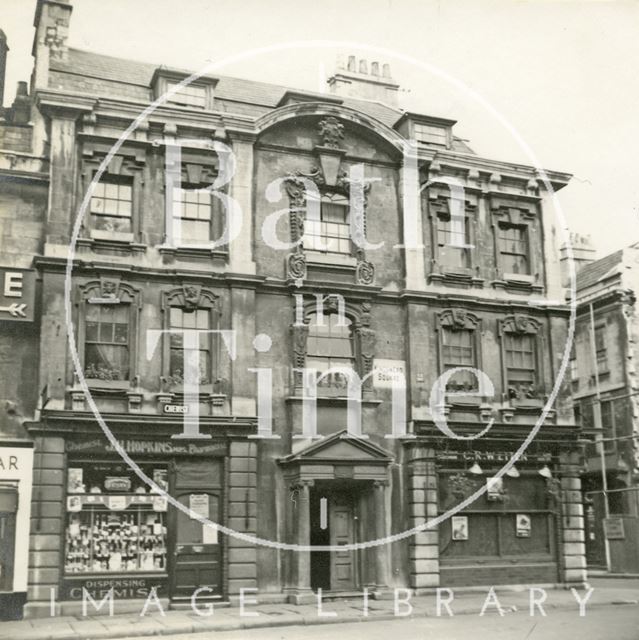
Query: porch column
[302,559]
[381,551]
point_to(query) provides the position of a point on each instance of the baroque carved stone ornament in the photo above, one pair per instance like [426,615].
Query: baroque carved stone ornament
[296,264]
[331,131]
[192,293]
[109,287]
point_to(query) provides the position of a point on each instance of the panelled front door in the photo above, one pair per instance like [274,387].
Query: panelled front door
[342,531]
[196,557]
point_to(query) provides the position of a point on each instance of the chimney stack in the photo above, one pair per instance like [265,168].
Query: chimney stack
[4,49]
[51,22]
[356,81]
[583,253]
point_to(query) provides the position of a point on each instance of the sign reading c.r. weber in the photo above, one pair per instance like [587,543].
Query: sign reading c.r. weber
[17,294]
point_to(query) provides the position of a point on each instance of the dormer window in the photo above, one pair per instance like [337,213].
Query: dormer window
[430,134]
[188,96]
[194,95]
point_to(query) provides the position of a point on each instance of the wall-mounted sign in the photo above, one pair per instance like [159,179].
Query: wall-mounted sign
[523,524]
[176,408]
[388,372]
[459,526]
[17,294]
[614,529]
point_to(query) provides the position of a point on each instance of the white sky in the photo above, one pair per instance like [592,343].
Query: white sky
[565,74]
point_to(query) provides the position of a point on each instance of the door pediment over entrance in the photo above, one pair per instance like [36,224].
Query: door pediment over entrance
[339,456]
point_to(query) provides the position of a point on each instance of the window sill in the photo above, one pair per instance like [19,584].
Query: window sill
[195,252]
[112,236]
[336,400]
[461,276]
[330,259]
[518,283]
[108,385]
[111,241]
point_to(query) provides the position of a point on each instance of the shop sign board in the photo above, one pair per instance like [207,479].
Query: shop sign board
[123,588]
[17,294]
[614,529]
[165,447]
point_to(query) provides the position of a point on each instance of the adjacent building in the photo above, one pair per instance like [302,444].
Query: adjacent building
[23,203]
[604,386]
[329,272]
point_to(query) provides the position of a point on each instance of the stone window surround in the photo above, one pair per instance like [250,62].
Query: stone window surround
[364,339]
[198,167]
[523,324]
[105,289]
[525,212]
[437,204]
[195,297]
[128,163]
[462,319]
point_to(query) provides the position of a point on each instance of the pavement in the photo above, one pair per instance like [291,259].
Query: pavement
[256,616]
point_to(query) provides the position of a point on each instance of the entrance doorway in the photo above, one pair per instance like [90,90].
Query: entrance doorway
[196,554]
[334,521]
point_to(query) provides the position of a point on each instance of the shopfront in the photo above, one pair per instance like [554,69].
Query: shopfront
[123,535]
[506,536]
[525,527]
[16,468]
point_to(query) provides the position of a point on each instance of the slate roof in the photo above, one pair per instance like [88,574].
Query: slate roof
[249,97]
[600,269]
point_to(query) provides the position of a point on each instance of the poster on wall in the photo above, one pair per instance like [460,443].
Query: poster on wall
[460,527]
[523,525]
[494,489]
[74,503]
[74,480]
[199,505]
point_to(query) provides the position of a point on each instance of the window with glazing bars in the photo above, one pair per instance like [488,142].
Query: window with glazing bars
[520,363]
[458,350]
[450,235]
[106,342]
[513,247]
[601,351]
[329,345]
[180,318]
[192,214]
[331,231]
[111,205]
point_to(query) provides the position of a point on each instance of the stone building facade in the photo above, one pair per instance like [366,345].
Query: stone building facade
[329,272]
[23,203]
[604,386]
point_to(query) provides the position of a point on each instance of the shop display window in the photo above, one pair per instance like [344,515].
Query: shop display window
[115,524]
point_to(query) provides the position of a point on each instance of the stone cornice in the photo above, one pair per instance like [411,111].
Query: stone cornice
[458,160]
[262,284]
[58,104]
